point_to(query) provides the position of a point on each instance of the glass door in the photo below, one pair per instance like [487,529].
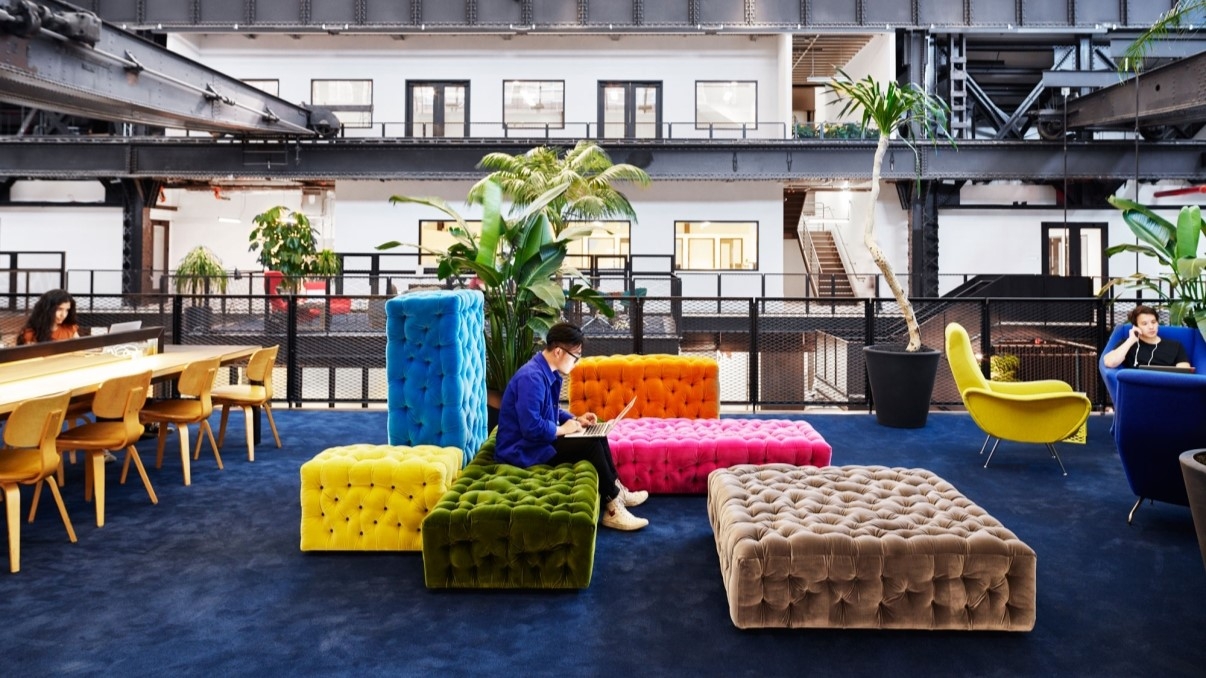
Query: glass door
[1075,250]
[630,110]
[437,109]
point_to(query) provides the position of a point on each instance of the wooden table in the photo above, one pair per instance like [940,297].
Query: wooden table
[81,375]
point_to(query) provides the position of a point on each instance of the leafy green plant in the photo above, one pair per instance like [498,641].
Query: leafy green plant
[1182,285]
[885,107]
[200,272]
[586,171]
[519,262]
[1004,367]
[287,243]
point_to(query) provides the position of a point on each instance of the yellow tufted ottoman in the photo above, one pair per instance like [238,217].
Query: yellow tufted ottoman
[373,497]
[864,547]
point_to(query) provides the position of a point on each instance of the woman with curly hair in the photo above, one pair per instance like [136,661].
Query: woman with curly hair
[52,319]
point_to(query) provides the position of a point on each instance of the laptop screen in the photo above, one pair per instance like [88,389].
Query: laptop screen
[125,326]
[1167,368]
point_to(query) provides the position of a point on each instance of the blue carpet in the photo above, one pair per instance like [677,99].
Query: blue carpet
[211,581]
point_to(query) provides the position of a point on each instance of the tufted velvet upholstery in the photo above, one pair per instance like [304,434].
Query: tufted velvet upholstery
[864,547]
[501,526]
[372,497]
[665,386]
[435,364]
[676,455]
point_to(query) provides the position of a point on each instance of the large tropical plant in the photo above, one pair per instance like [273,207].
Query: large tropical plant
[887,107]
[586,171]
[1182,285]
[288,243]
[519,265]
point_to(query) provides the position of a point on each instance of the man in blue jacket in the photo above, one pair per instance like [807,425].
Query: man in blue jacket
[533,429]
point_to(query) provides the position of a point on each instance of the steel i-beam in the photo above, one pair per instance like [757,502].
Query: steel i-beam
[56,57]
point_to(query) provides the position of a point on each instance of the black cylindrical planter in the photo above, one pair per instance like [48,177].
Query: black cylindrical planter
[901,383]
[1193,469]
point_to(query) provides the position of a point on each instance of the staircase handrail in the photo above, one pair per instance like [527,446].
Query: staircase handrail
[812,263]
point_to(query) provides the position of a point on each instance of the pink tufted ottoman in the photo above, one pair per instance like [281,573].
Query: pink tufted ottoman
[676,455]
[864,547]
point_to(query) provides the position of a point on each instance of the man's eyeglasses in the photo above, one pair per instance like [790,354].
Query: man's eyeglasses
[575,356]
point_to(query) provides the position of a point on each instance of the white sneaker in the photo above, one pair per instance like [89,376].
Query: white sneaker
[109,458]
[631,498]
[617,517]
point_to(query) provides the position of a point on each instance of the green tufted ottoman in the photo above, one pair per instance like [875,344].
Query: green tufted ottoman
[501,526]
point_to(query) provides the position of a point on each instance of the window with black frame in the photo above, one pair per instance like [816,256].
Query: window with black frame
[351,100]
[531,104]
[716,245]
[728,104]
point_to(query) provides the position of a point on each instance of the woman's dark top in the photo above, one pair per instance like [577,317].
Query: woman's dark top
[1167,352]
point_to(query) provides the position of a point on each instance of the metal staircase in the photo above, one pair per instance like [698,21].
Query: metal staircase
[831,277]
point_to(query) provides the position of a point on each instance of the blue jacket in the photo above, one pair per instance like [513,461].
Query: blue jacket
[530,414]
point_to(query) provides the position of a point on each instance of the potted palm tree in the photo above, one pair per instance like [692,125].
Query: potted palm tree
[199,273]
[518,262]
[902,377]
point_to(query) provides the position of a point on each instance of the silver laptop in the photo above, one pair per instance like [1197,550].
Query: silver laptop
[125,326]
[602,428]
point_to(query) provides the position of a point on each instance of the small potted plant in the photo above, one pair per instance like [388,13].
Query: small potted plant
[199,274]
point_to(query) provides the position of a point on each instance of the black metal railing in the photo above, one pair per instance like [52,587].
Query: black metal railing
[774,353]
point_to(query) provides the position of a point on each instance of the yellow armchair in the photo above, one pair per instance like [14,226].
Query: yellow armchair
[1041,412]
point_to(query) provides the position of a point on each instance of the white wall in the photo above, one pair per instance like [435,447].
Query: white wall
[485,61]
[91,238]
[195,222]
[877,58]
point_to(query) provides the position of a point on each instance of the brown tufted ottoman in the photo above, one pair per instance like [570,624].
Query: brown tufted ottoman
[864,547]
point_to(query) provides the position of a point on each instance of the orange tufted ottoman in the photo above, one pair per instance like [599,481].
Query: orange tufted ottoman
[664,386]
[373,497]
[864,547]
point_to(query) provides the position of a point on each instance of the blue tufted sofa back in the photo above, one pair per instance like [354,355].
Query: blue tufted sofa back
[435,365]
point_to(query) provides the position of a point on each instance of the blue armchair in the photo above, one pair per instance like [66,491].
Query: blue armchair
[1157,416]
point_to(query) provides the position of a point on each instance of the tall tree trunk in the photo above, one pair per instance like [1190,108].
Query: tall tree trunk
[906,308]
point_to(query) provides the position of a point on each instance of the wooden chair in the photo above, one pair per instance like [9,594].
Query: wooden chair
[29,458]
[257,392]
[77,413]
[194,407]
[115,408]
